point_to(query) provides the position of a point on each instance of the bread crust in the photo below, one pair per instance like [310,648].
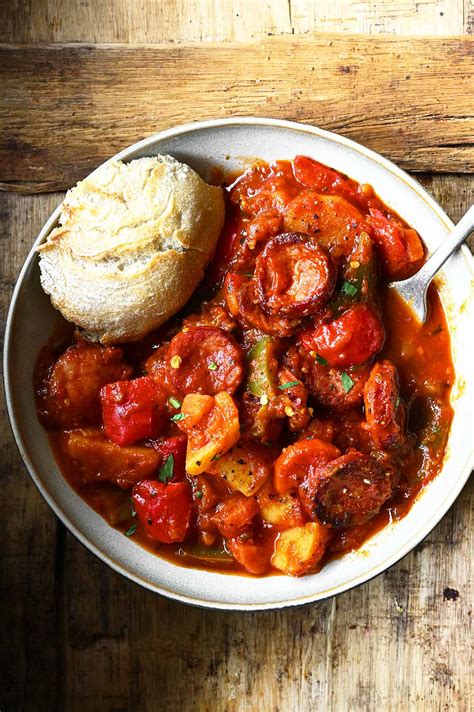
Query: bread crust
[131,247]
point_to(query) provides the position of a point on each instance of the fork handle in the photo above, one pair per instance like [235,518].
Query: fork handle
[449,245]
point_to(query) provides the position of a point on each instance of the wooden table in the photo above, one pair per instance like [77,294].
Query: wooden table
[76,635]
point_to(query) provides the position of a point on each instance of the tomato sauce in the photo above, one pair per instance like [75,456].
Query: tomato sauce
[289,412]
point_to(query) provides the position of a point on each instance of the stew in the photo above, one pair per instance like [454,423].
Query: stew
[290,411]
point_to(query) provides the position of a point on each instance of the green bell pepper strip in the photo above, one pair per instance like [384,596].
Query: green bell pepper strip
[262,366]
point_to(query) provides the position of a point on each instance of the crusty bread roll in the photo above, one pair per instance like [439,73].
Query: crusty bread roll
[132,246]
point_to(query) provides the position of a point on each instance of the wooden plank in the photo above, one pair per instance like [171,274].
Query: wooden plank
[81,637]
[67,108]
[30,542]
[221,20]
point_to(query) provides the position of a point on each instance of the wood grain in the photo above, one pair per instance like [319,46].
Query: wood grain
[77,636]
[64,109]
[222,20]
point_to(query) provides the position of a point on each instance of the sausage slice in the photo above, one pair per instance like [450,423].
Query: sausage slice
[204,360]
[294,276]
[352,489]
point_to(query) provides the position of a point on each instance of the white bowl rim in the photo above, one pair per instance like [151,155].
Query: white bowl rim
[49,498]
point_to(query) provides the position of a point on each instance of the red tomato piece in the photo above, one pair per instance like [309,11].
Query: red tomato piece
[163,510]
[253,556]
[293,276]
[352,339]
[205,360]
[399,247]
[234,514]
[70,397]
[132,410]
[264,188]
[299,459]
[225,250]
[322,178]
[175,446]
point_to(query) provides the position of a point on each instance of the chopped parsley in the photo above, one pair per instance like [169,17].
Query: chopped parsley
[347,382]
[132,530]
[288,384]
[349,288]
[397,402]
[198,495]
[174,402]
[321,360]
[165,472]
[179,416]
[134,514]
[212,366]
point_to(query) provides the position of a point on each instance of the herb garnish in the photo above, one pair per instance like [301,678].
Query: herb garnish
[166,471]
[289,384]
[212,366]
[347,382]
[349,288]
[179,416]
[132,530]
[321,360]
[174,402]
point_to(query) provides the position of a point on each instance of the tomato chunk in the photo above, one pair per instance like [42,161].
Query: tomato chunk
[163,510]
[175,446]
[98,459]
[321,178]
[352,489]
[254,556]
[399,247]
[132,410]
[293,275]
[72,393]
[225,250]
[234,514]
[297,461]
[355,337]
[212,427]
[204,360]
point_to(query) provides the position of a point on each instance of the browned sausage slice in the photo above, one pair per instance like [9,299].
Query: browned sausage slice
[294,276]
[204,359]
[352,489]
[384,410]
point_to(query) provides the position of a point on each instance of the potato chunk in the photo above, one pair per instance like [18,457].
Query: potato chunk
[280,510]
[212,426]
[298,550]
[98,459]
[245,468]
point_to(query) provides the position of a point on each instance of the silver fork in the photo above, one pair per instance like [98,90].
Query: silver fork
[413,290]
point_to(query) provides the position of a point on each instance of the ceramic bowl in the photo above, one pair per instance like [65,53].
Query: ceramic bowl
[229,143]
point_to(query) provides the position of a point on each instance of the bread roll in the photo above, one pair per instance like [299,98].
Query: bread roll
[132,245]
